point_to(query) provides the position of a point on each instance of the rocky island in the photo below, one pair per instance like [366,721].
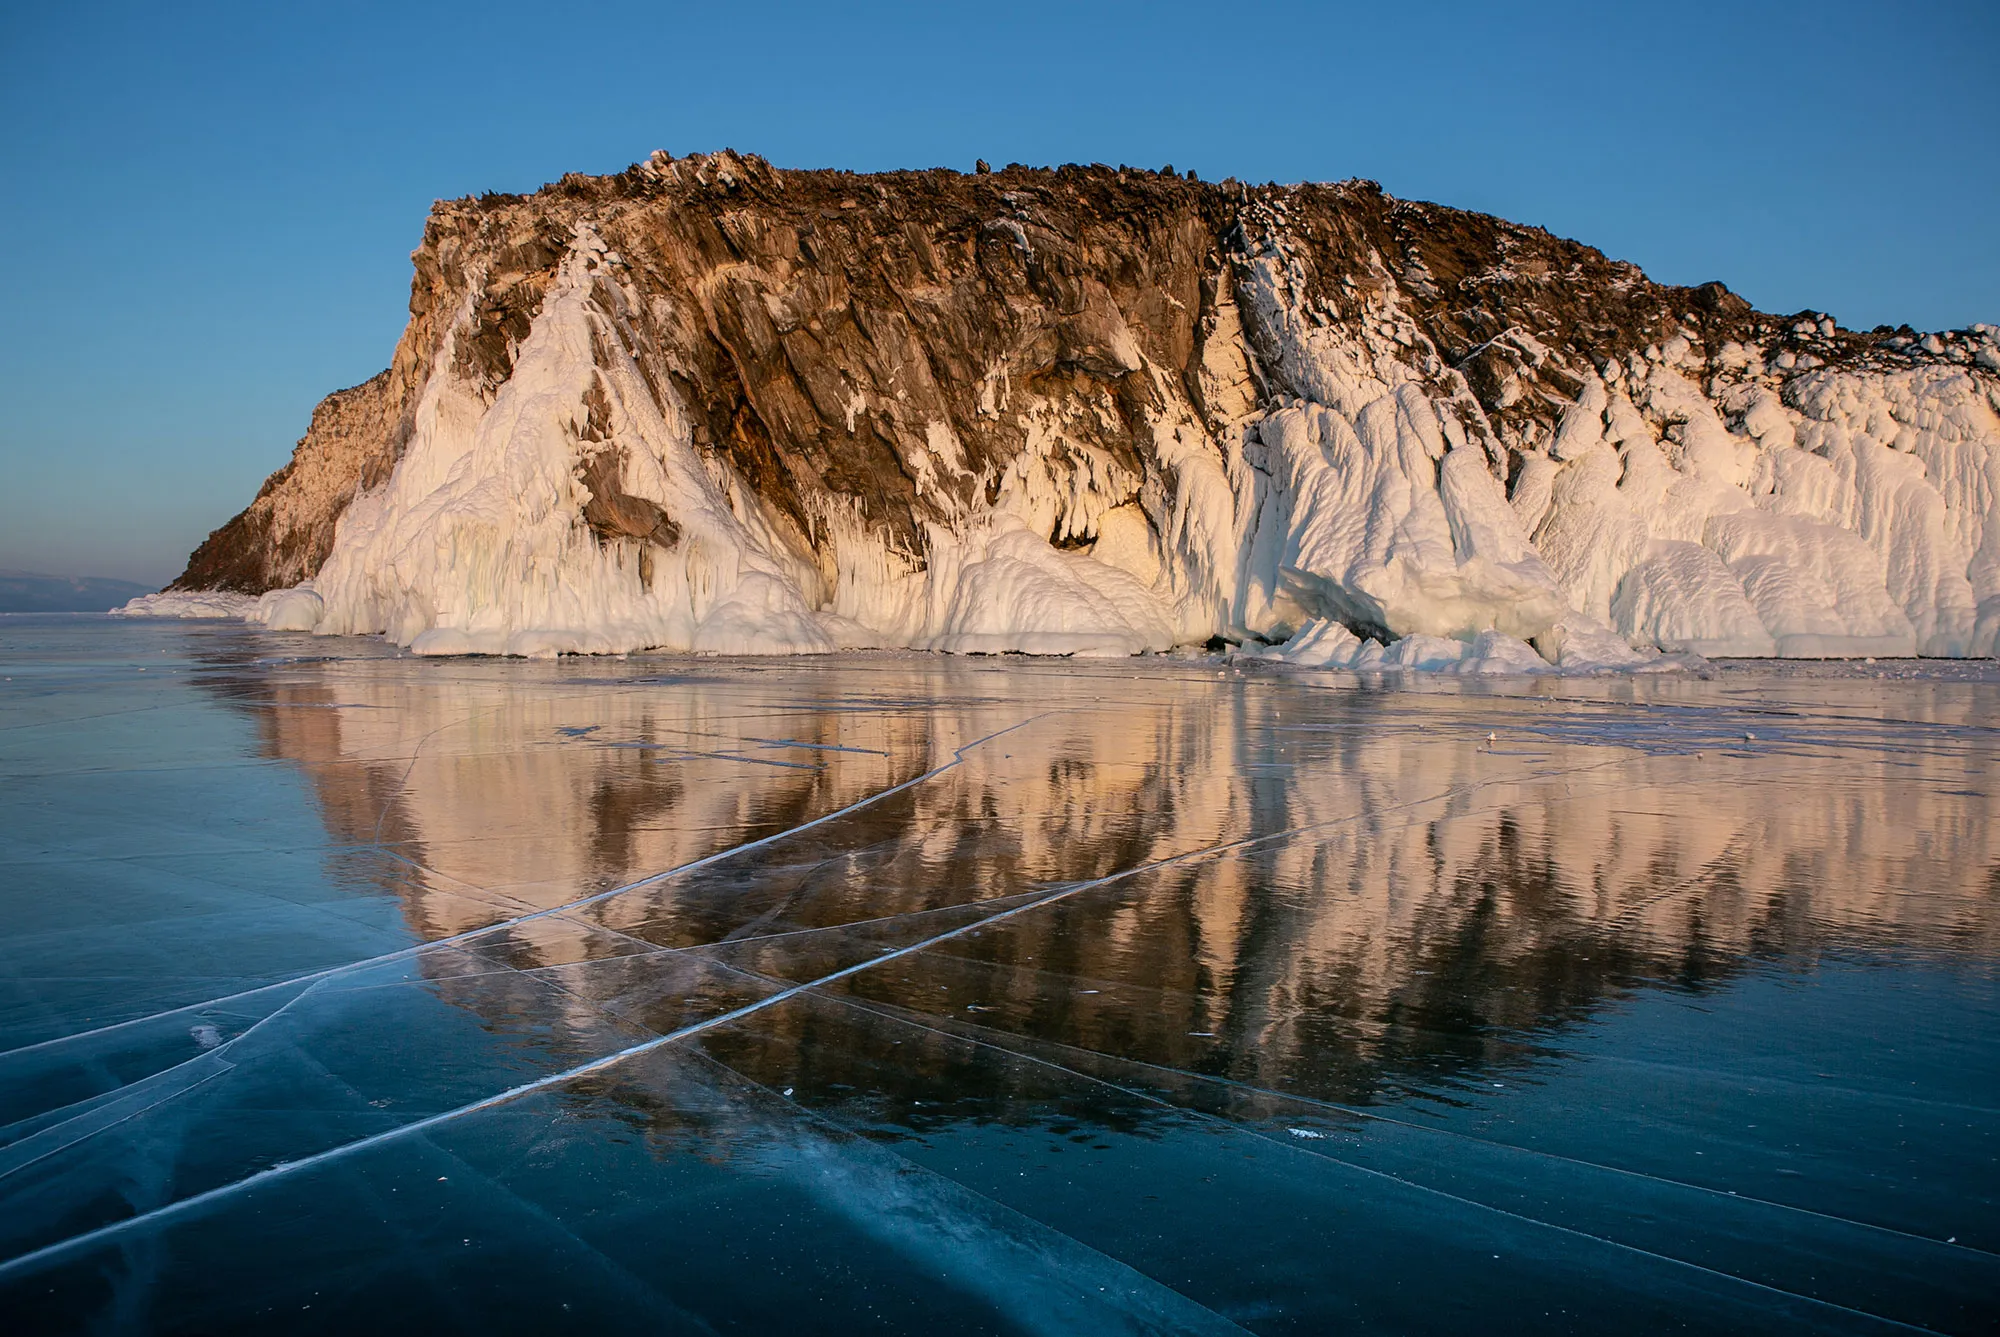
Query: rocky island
[706,404]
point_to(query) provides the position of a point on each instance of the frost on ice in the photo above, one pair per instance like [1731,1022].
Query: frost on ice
[1339,499]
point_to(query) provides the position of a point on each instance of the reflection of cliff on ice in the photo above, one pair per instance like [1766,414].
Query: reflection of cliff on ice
[1392,844]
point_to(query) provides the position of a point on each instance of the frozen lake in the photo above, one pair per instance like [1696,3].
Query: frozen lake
[346,991]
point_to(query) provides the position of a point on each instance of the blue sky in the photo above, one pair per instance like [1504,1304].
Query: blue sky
[209,208]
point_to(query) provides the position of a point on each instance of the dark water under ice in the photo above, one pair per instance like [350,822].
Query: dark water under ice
[342,991]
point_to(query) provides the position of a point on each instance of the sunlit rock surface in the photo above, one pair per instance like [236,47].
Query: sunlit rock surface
[919,993]
[709,405]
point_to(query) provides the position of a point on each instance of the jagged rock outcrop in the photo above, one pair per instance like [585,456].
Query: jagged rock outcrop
[707,404]
[285,534]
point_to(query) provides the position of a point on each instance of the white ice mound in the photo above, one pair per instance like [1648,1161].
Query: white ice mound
[1327,644]
[1857,520]
[1583,646]
[297,609]
[1018,593]
[190,604]
[1379,524]
[1321,644]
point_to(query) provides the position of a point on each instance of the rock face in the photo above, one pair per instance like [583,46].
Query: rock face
[283,537]
[706,404]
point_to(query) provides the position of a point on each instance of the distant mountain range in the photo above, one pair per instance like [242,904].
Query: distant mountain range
[31,592]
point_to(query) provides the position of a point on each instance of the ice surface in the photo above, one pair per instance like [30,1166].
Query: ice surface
[918,993]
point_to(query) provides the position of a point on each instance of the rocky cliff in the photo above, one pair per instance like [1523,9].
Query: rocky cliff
[707,404]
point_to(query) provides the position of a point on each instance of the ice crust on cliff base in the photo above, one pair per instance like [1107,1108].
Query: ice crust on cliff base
[1276,444]
[214,604]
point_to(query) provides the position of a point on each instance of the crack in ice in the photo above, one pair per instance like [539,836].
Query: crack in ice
[1277,1140]
[52,1252]
[958,759]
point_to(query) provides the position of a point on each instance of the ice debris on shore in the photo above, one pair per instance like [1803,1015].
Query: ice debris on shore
[216,604]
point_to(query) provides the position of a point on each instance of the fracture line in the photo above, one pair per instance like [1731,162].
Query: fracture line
[63,1248]
[172,1081]
[958,758]
[1412,1184]
[957,1027]
[1141,1282]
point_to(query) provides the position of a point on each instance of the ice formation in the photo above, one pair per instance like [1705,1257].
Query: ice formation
[708,406]
[190,604]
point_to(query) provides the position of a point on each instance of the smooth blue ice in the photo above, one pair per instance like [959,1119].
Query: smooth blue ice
[909,994]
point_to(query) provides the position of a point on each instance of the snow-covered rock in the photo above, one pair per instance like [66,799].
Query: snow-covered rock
[709,406]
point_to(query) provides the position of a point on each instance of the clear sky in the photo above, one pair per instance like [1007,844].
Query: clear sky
[207,209]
